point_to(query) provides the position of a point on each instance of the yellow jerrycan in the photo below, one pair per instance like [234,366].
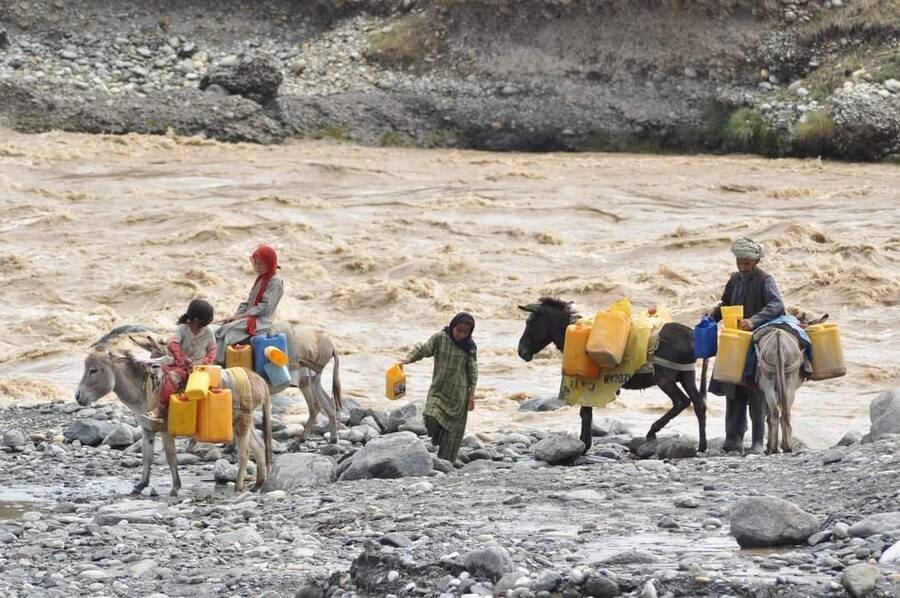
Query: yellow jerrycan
[731,315]
[214,417]
[609,336]
[239,356]
[827,352]
[732,355]
[215,374]
[182,418]
[197,385]
[395,382]
[575,361]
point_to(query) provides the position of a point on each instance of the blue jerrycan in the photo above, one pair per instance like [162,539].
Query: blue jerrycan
[706,335]
[259,344]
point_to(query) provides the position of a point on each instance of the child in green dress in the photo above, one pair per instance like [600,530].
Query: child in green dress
[452,392]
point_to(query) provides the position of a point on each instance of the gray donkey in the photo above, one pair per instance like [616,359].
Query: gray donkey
[135,384]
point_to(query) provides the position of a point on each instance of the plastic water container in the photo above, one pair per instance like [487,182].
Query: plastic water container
[732,355]
[260,343]
[197,385]
[827,352]
[182,417]
[731,315]
[395,382]
[214,417]
[238,356]
[278,375]
[706,336]
[276,356]
[215,374]
[608,338]
[576,362]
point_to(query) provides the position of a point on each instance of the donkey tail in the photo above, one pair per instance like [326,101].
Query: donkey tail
[336,382]
[780,382]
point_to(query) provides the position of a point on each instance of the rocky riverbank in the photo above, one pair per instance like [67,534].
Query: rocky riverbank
[506,521]
[778,78]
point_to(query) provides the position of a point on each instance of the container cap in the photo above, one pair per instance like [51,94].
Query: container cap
[276,356]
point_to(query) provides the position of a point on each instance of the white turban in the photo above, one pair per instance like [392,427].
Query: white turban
[746,248]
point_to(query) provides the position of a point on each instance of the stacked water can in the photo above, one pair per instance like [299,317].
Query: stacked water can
[204,409]
[270,359]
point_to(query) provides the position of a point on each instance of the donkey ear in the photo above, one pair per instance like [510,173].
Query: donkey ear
[529,308]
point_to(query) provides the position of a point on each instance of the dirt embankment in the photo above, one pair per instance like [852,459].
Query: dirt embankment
[778,78]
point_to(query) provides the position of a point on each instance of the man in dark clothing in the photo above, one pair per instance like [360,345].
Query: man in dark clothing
[757,292]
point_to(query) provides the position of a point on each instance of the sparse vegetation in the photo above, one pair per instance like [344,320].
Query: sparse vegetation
[333,132]
[815,134]
[397,139]
[406,41]
[746,130]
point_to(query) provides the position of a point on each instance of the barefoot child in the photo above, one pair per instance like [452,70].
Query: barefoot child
[452,392]
[192,344]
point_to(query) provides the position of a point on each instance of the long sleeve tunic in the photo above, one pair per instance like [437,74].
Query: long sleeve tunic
[264,311]
[454,378]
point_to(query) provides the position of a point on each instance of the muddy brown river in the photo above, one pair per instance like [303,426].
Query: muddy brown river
[382,246]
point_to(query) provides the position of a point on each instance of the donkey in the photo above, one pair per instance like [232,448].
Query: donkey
[547,322]
[135,383]
[309,352]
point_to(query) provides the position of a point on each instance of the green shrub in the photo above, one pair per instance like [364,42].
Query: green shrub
[815,134]
[747,131]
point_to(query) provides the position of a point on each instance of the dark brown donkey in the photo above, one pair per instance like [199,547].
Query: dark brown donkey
[547,322]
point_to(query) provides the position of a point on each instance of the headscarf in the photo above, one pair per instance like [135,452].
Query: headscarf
[746,248]
[267,256]
[467,344]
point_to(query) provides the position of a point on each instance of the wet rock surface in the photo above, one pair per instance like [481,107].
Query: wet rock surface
[605,524]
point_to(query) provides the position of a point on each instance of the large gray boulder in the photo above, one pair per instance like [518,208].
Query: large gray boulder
[397,455]
[293,471]
[876,524]
[90,432]
[492,561]
[884,413]
[406,415]
[558,448]
[607,426]
[121,437]
[759,521]
[256,79]
[860,579]
[541,404]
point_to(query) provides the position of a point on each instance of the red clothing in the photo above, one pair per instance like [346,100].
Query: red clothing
[175,375]
[267,256]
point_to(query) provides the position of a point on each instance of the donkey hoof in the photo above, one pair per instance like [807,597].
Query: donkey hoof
[702,448]
[138,488]
[650,436]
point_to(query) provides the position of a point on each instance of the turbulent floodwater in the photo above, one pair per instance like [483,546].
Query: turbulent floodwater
[382,246]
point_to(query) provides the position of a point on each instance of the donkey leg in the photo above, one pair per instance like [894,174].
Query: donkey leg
[787,430]
[312,406]
[689,384]
[172,460]
[328,406]
[587,417]
[148,438]
[241,442]
[680,401]
[259,457]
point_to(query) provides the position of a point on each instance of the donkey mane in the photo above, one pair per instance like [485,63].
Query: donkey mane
[557,303]
[117,332]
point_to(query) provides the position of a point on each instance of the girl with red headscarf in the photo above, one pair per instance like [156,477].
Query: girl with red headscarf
[257,313]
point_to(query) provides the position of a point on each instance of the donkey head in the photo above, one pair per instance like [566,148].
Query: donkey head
[547,321]
[98,379]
